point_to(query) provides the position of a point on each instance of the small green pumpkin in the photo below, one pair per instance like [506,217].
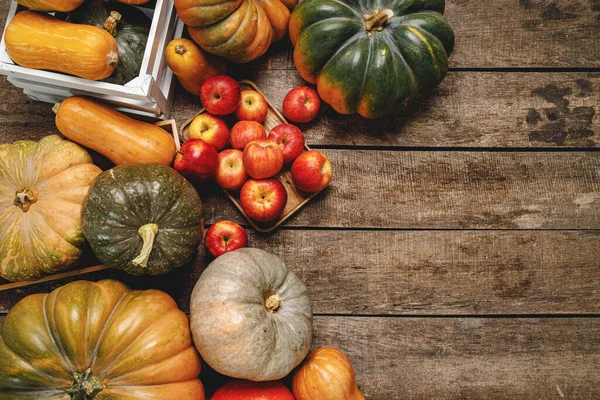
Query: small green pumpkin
[143,218]
[372,57]
[130,27]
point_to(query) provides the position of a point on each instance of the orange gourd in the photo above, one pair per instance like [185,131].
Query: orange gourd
[39,41]
[119,138]
[325,374]
[191,65]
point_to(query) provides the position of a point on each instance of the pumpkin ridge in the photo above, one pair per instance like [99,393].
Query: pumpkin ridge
[33,367]
[116,358]
[105,328]
[127,198]
[58,346]
[52,226]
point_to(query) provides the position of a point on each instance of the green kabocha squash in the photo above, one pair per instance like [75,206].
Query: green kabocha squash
[98,340]
[130,27]
[371,57]
[144,218]
[42,186]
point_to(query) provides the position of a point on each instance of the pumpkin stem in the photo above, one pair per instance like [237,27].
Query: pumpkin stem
[110,25]
[273,303]
[374,21]
[24,199]
[56,107]
[180,49]
[147,233]
[85,386]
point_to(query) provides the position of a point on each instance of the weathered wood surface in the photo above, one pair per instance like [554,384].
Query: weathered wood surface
[460,358]
[469,109]
[413,272]
[508,34]
[449,190]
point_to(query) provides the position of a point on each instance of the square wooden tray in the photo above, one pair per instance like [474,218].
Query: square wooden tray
[296,198]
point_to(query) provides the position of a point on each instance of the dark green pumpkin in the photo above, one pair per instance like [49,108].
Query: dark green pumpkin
[374,57]
[144,218]
[131,34]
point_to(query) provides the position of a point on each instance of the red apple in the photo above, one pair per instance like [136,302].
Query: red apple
[263,158]
[231,173]
[311,171]
[244,132]
[211,129]
[225,236]
[220,95]
[263,200]
[253,107]
[301,104]
[197,161]
[291,140]
[236,389]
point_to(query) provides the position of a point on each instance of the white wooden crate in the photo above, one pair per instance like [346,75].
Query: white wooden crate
[148,95]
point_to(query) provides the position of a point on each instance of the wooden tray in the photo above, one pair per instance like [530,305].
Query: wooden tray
[296,198]
[169,126]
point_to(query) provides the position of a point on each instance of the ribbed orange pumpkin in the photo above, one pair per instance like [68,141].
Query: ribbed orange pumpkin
[100,341]
[39,41]
[238,30]
[42,186]
[325,374]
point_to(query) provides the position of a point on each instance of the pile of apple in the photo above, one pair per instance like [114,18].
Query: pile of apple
[254,157]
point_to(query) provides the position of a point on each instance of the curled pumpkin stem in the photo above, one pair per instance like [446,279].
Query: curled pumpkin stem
[376,20]
[148,234]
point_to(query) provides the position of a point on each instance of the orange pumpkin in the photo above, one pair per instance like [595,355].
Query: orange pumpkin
[326,373]
[39,41]
[100,341]
[238,30]
[191,65]
[121,139]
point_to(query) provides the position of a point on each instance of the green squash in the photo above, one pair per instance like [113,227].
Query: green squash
[130,32]
[144,218]
[371,57]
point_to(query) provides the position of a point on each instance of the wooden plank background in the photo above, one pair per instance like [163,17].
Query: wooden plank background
[456,253]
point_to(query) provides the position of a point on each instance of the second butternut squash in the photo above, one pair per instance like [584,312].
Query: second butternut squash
[121,139]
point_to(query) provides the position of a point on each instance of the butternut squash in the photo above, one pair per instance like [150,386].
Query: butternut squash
[39,41]
[119,138]
[51,5]
[191,65]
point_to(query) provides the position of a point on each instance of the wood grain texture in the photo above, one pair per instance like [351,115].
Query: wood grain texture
[506,34]
[469,109]
[412,272]
[472,358]
[448,190]
[462,358]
